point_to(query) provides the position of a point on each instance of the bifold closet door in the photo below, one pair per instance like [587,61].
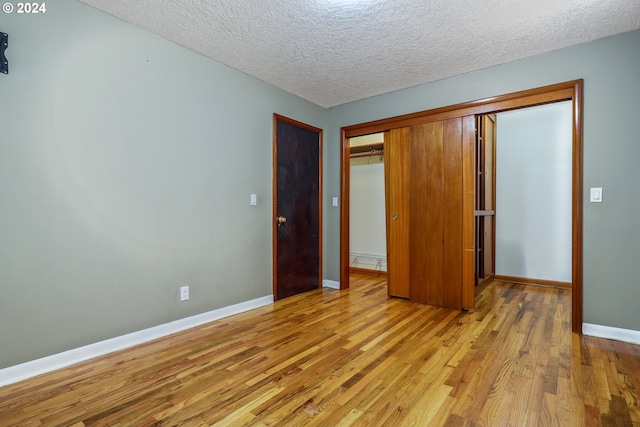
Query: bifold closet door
[436,196]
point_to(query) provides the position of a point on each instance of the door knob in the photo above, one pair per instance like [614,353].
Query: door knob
[395,217]
[281,220]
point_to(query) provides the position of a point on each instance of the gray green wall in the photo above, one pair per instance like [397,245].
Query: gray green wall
[610,68]
[126,165]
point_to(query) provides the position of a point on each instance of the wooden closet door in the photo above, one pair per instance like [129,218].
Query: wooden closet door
[426,216]
[436,212]
[453,227]
[430,212]
[396,169]
[468,212]
[487,269]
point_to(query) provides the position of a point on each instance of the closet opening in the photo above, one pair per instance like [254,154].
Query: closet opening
[530,233]
[367,237]
[480,254]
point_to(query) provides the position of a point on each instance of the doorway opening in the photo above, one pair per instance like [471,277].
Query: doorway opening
[568,91]
[367,238]
[533,195]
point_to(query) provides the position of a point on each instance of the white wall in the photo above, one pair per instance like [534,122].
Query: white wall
[533,193]
[367,214]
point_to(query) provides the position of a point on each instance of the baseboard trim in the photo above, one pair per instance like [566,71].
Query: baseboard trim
[609,332]
[527,281]
[26,370]
[368,271]
[330,284]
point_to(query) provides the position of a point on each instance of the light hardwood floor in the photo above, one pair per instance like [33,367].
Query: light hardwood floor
[353,358]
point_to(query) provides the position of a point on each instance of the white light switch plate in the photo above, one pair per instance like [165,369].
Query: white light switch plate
[254,200]
[595,195]
[335,201]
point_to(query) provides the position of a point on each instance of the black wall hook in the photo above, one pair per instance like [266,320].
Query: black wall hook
[4,43]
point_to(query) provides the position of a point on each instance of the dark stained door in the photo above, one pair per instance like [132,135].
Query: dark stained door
[297,207]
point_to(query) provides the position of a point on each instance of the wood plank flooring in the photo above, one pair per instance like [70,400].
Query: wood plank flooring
[353,358]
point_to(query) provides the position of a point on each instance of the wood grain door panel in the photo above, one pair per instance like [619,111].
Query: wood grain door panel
[453,214]
[468,212]
[396,168]
[427,222]
[426,214]
[489,237]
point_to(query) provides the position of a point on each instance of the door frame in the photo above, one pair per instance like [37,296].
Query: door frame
[567,91]
[274,215]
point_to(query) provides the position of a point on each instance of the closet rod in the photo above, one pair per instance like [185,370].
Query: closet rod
[367,154]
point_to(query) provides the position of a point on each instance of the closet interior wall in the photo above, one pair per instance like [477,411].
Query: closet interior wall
[368,251]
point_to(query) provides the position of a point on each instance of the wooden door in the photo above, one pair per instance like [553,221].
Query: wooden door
[297,207]
[430,212]
[397,179]
[485,197]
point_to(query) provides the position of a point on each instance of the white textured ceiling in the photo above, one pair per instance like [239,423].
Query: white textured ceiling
[335,51]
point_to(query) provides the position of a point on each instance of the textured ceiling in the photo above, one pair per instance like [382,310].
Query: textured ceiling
[335,51]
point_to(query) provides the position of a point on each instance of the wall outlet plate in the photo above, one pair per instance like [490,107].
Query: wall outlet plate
[184,293]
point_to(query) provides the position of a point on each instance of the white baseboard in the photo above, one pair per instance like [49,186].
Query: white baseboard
[330,284]
[618,334]
[20,372]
